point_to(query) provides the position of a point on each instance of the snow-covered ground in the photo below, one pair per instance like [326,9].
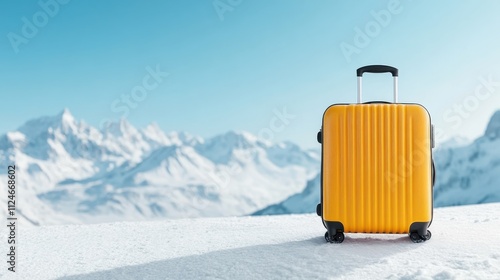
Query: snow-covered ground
[464,245]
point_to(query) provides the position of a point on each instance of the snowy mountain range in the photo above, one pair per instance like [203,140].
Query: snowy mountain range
[71,172]
[467,173]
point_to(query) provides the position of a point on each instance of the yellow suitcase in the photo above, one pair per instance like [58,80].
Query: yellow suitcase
[377,171]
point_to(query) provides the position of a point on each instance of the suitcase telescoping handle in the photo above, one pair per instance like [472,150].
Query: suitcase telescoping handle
[378,69]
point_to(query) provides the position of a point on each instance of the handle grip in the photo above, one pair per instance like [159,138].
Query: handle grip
[377,69]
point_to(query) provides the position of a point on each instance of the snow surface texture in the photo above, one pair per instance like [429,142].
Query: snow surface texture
[71,172]
[464,245]
[465,174]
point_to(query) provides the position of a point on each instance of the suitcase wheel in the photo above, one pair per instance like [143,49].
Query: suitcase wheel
[417,238]
[337,238]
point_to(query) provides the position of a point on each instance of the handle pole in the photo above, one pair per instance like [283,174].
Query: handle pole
[395,89]
[359,89]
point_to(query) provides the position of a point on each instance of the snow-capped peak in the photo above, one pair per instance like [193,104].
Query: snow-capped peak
[184,138]
[122,128]
[64,121]
[221,149]
[153,128]
[66,117]
[234,139]
[154,134]
[493,128]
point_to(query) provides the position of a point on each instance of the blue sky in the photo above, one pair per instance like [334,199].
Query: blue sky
[235,65]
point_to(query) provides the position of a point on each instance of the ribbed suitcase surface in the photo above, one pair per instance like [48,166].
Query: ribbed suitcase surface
[377,167]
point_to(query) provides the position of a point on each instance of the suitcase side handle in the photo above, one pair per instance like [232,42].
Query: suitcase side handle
[377,69]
